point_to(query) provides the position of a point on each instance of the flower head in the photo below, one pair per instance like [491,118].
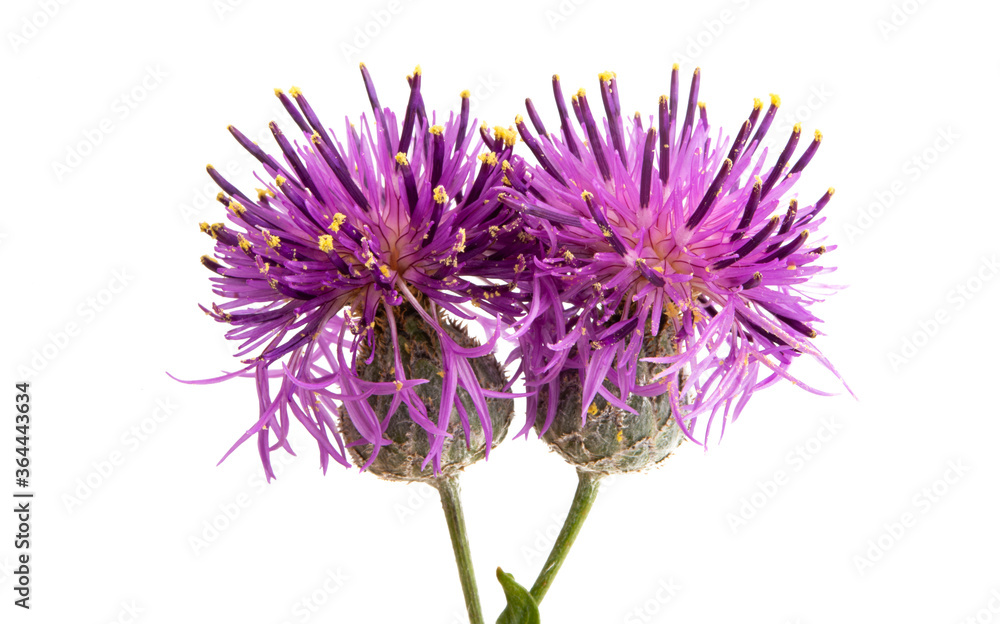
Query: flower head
[651,225]
[346,233]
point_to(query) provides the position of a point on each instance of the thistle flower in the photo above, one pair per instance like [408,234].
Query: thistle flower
[354,248]
[652,227]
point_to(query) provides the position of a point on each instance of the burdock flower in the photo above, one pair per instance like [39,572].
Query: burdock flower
[339,274]
[673,283]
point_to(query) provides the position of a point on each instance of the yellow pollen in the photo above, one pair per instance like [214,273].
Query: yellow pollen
[818,135]
[829,191]
[440,196]
[204,227]
[401,159]
[519,119]
[278,92]
[592,410]
[399,386]
[237,207]
[295,92]
[507,134]
[280,180]
[676,67]
[436,130]
[606,76]
[664,99]
[465,94]
[337,220]
[460,243]
[581,93]
[243,242]
[797,128]
[620,436]
[273,242]
[568,255]
[701,105]
[757,104]
[384,270]
[775,100]
[490,158]
[325,243]
[417,71]
[586,195]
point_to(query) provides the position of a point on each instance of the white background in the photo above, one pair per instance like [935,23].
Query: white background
[915,217]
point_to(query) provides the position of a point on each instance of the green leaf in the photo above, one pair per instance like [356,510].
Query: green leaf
[521,607]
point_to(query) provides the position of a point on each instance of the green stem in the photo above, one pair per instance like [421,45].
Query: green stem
[452,503]
[583,500]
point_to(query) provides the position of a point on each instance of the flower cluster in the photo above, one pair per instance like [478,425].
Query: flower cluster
[653,227]
[647,268]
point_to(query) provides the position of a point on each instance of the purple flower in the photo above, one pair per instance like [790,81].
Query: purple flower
[652,225]
[344,239]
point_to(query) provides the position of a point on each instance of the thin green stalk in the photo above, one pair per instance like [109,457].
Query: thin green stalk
[451,502]
[583,500]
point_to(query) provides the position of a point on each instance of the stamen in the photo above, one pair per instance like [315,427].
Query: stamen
[593,138]
[665,138]
[212,265]
[564,122]
[332,159]
[753,282]
[748,211]
[779,167]
[750,245]
[788,249]
[463,121]
[786,223]
[808,154]
[538,151]
[692,101]
[536,120]
[607,82]
[710,195]
[646,179]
